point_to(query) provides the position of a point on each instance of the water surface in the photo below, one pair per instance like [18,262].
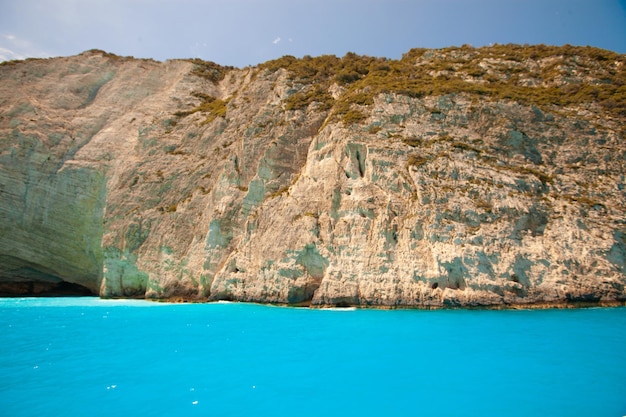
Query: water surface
[91,357]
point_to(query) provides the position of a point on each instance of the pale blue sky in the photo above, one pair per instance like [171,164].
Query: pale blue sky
[247,32]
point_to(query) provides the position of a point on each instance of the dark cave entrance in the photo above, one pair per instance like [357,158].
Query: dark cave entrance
[30,282]
[43,289]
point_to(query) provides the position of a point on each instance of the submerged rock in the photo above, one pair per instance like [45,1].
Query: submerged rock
[459,177]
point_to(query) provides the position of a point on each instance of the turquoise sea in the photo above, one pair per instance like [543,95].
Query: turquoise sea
[90,357]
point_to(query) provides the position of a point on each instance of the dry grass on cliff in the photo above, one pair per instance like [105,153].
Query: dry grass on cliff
[540,75]
[209,70]
[533,75]
[212,106]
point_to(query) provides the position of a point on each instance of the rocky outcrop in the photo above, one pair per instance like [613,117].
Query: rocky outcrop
[461,177]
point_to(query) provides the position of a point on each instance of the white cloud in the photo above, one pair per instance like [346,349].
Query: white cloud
[12,47]
[9,55]
[276,41]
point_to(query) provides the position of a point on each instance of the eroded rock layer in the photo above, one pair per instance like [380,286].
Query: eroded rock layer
[451,178]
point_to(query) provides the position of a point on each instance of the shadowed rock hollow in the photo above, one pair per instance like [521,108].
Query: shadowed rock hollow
[458,177]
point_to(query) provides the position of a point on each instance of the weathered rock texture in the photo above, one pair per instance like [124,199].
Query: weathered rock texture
[451,178]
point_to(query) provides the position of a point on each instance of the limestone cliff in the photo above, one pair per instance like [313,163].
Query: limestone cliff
[458,177]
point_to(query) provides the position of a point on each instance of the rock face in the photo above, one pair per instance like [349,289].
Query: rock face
[459,177]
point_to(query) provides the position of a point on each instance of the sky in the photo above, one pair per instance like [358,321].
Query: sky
[248,32]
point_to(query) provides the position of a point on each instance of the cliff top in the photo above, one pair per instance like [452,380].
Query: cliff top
[535,74]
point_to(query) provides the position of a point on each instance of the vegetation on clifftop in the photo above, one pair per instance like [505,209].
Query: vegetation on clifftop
[209,70]
[539,74]
[533,75]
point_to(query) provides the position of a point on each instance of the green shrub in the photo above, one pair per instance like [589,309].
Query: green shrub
[413,142]
[209,70]
[353,116]
[302,99]
[214,106]
[416,161]
[347,77]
